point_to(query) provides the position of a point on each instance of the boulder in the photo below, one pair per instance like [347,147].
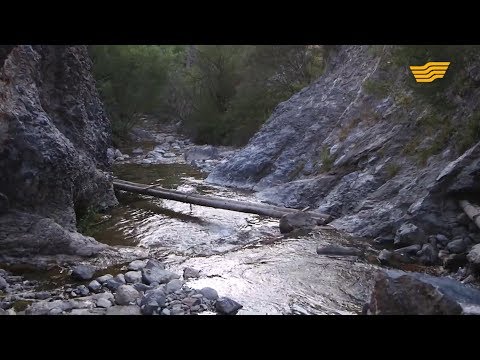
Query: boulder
[428,254]
[293,221]
[132,277]
[136,265]
[409,234]
[126,295]
[474,256]
[152,301]
[160,276]
[457,246]
[103,279]
[190,273]
[227,306]
[173,285]
[83,272]
[94,286]
[209,293]
[401,293]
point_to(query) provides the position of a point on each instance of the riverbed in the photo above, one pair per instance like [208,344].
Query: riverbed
[242,256]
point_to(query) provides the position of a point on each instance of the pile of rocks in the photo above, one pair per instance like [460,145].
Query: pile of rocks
[146,288]
[412,245]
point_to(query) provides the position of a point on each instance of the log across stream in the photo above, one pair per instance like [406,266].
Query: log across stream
[215,202]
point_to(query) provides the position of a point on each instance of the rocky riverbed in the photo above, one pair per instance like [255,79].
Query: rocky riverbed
[144,287]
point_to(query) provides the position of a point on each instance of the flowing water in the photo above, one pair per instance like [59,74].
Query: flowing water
[242,256]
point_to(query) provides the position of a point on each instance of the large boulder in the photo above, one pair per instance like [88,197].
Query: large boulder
[54,136]
[401,293]
[297,220]
[126,295]
[409,234]
[474,256]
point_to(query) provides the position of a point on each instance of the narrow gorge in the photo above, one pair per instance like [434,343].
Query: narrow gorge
[393,163]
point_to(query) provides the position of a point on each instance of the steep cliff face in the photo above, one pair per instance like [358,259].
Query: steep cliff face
[54,136]
[367,145]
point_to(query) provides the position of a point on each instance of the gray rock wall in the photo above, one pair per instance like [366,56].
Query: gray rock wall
[339,148]
[54,136]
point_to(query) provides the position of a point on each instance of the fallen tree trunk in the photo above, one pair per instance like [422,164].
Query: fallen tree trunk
[215,202]
[472,211]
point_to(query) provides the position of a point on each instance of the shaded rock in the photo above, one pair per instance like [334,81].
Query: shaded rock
[475,237]
[457,246]
[104,303]
[118,154]
[124,310]
[454,261]
[141,287]
[103,279]
[293,221]
[4,204]
[137,151]
[459,231]
[112,284]
[120,278]
[153,263]
[383,241]
[428,254]
[82,290]
[189,273]
[152,301]
[53,150]
[199,153]
[409,250]
[209,293]
[83,272]
[165,312]
[227,306]
[137,265]
[173,285]
[3,283]
[150,275]
[442,239]
[94,286]
[191,301]
[474,256]
[463,219]
[338,250]
[409,234]
[401,293]
[385,257]
[126,294]
[133,277]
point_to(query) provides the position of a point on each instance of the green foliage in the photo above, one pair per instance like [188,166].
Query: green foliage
[235,88]
[87,220]
[221,93]
[378,89]
[326,159]
[132,81]
[470,134]
[392,169]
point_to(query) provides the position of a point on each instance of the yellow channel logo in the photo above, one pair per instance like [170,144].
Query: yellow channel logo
[430,71]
